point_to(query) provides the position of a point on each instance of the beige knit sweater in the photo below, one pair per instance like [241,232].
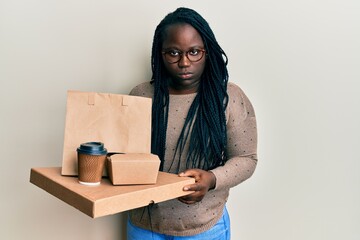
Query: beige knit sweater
[176,218]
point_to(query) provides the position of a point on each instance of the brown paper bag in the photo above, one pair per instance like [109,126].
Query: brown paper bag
[121,122]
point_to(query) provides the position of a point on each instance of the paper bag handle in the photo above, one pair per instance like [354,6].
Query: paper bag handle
[91,99]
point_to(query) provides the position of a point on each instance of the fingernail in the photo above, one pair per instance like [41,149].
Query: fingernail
[186,188]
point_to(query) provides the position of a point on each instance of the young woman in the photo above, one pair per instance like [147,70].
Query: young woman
[202,127]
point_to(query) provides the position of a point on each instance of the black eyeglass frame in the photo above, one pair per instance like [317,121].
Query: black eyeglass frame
[186,54]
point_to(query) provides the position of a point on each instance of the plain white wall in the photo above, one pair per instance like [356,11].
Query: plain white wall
[298,62]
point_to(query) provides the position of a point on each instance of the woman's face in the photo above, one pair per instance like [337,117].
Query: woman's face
[185,75]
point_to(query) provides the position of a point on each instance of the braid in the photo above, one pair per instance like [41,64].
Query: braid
[205,124]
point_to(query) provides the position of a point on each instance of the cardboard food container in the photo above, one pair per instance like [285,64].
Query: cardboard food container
[107,199]
[133,168]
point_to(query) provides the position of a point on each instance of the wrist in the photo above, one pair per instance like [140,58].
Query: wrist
[212,180]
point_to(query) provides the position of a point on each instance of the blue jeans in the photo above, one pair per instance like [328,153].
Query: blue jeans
[221,231]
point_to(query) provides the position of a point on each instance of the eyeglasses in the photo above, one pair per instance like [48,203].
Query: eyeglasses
[174,56]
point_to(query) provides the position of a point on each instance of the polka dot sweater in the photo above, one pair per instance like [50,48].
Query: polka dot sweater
[178,219]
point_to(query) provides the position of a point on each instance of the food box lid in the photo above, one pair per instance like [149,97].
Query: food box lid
[134,157]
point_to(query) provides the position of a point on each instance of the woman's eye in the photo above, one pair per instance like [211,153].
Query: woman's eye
[174,53]
[194,52]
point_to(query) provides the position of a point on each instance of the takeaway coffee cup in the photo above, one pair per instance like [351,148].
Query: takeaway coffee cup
[91,161]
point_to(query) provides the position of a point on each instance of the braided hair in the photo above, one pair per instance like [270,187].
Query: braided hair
[205,124]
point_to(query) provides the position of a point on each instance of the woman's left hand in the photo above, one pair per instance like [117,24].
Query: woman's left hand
[204,181]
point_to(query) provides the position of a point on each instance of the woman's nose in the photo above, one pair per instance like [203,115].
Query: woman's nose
[184,61]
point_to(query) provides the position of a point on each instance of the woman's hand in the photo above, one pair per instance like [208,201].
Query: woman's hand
[204,181]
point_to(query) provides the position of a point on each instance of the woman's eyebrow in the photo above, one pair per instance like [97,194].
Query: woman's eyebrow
[190,48]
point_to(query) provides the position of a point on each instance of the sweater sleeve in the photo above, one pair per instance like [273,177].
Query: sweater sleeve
[144,89]
[241,141]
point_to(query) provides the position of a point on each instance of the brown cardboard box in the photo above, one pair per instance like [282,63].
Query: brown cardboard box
[106,198]
[133,168]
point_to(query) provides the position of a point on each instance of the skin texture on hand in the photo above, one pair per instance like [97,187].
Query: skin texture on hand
[204,181]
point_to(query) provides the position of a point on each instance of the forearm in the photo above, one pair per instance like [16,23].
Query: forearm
[235,171]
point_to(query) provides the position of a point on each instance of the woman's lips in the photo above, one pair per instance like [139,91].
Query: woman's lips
[185,75]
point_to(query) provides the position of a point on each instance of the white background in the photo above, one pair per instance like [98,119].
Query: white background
[298,62]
